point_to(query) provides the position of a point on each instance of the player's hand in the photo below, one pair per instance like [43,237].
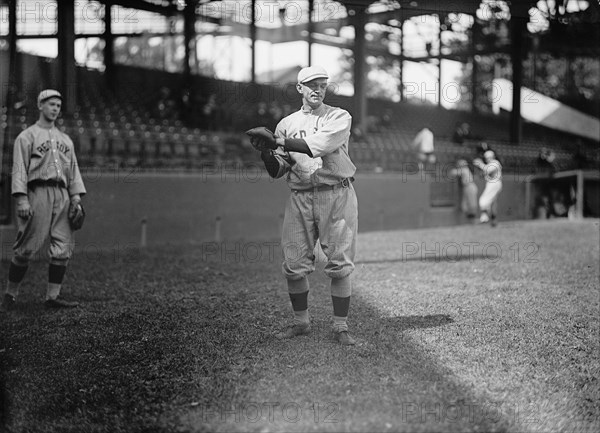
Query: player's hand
[23,207]
[262,139]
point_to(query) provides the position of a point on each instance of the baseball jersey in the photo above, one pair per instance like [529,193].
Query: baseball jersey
[492,171]
[465,175]
[326,131]
[45,154]
[423,142]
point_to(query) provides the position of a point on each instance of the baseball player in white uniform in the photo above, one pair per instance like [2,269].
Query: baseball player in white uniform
[492,173]
[47,187]
[310,148]
[423,146]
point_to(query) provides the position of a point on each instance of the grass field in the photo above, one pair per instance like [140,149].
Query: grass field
[459,329]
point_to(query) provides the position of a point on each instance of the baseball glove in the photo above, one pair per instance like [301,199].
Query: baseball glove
[76,215]
[262,138]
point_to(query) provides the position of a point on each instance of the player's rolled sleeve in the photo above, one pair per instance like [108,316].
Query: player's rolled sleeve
[76,185]
[334,133]
[20,168]
[283,158]
[276,164]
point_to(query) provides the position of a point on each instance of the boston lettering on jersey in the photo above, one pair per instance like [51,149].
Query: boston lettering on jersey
[299,134]
[47,145]
[326,130]
[42,154]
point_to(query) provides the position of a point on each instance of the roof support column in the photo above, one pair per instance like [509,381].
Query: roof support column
[518,25]
[360,99]
[10,85]
[109,57]
[66,54]
[253,42]
[440,94]
[311,6]
[189,36]
[475,29]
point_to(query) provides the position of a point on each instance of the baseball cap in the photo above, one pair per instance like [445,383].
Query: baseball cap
[489,154]
[310,73]
[47,94]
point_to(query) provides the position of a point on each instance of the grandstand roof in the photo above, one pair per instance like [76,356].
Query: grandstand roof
[420,6]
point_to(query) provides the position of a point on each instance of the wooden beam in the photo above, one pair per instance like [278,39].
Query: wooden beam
[66,55]
[145,6]
[109,49]
[6,151]
[253,34]
[579,195]
[518,27]
[360,70]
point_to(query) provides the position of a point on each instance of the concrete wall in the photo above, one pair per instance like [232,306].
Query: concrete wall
[183,208]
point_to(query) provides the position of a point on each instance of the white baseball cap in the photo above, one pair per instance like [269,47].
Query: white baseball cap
[310,73]
[47,94]
[489,154]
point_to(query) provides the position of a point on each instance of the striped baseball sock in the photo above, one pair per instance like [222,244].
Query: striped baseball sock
[298,291]
[341,306]
[56,274]
[16,273]
[341,289]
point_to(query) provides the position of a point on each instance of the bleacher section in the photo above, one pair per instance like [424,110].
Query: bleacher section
[147,124]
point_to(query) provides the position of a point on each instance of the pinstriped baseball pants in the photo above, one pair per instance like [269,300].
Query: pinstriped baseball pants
[50,208]
[489,196]
[329,216]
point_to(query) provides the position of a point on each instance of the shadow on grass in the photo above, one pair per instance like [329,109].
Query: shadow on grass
[389,380]
[93,371]
[403,323]
[175,356]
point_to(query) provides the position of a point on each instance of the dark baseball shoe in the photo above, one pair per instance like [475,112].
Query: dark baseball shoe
[60,303]
[8,303]
[294,331]
[344,338]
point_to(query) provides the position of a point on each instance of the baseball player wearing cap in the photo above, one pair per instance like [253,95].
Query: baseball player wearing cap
[492,173]
[47,187]
[310,148]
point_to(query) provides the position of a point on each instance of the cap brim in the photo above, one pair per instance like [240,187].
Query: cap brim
[306,80]
[50,97]
[44,97]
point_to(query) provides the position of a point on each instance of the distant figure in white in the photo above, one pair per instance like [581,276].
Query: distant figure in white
[468,188]
[492,173]
[422,145]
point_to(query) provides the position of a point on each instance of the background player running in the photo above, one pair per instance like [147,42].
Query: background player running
[492,173]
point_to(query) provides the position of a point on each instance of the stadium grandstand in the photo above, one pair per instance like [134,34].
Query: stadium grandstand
[172,85]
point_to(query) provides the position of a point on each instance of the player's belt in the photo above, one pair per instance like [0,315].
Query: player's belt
[49,182]
[345,183]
